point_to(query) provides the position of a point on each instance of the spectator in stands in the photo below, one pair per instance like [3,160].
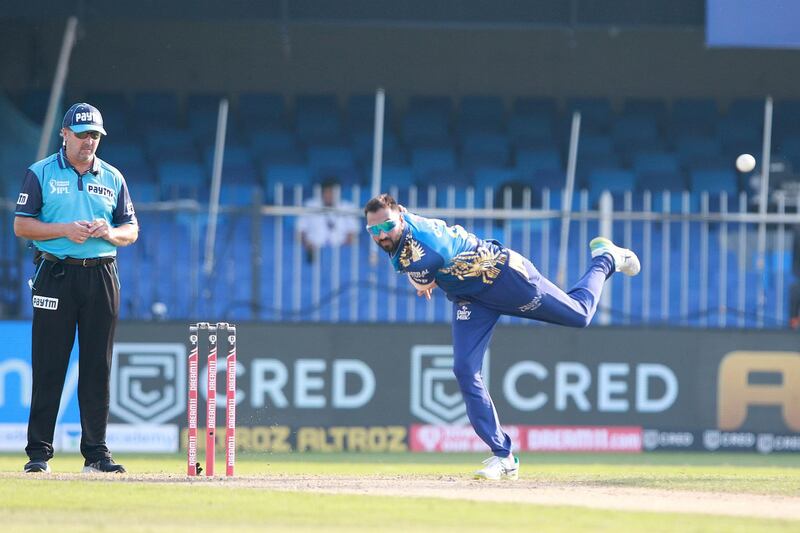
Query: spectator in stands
[329,224]
[77,211]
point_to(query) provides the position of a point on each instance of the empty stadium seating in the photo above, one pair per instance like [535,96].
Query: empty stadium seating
[468,149]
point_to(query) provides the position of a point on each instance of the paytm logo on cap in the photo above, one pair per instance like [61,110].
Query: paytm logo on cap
[87,116]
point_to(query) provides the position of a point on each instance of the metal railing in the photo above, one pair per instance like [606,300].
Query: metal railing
[699,254]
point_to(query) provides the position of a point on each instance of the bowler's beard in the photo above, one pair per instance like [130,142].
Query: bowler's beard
[388,245]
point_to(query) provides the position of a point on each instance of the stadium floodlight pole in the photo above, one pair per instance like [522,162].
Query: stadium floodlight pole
[762,209]
[566,207]
[58,86]
[377,165]
[216,179]
[377,141]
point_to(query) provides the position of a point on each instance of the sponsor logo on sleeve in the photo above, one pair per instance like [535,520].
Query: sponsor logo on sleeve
[23,199]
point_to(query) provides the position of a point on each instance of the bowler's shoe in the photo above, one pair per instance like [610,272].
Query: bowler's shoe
[37,465]
[106,465]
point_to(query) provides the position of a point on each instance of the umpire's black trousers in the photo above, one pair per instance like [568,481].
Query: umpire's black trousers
[66,296]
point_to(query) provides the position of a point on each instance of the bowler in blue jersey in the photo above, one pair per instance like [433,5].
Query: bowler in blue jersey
[486,280]
[76,210]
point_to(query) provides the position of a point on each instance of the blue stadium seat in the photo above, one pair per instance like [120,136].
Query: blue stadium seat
[317,118]
[205,101]
[156,110]
[426,160]
[143,192]
[690,146]
[318,127]
[655,180]
[693,117]
[121,154]
[616,181]
[115,110]
[786,119]
[644,107]
[288,175]
[738,136]
[631,131]
[394,176]
[275,144]
[749,111]
[485,149]
[492,178]
[530,130]
[595,144]
[541,107]
[330,158]
[361,112]
[425,129]
[170,144]
[596,114]
[656,162]
[138,173]
[484,114]
[393,153]
[545,159]
[261,110]
[238,193]
[182,180]
[714,181]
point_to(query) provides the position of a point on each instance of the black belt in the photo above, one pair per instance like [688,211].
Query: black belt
[88,262]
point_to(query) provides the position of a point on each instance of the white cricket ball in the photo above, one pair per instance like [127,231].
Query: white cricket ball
[745,163]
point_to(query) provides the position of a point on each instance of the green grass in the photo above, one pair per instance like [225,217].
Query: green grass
[42,502]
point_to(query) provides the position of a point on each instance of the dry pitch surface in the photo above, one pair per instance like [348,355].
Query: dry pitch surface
[527,491]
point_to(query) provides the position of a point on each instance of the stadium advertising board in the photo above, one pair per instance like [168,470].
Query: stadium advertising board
[303,387]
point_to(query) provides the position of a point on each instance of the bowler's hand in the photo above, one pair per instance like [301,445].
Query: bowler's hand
[79,231]
[425,292]
[100,228]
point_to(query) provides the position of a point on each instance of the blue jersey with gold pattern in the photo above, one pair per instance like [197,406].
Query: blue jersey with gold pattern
[459,262]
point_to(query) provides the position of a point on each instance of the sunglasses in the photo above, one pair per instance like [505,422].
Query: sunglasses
[93,134]
[385,226]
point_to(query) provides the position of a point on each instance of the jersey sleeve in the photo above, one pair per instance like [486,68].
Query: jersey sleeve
[29,202]
[123,211]
[424,262]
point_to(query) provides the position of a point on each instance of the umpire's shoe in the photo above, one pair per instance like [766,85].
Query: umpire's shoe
[106,465]
[37,465]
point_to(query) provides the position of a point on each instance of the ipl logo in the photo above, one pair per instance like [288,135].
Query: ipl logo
[435,397]
[147,380]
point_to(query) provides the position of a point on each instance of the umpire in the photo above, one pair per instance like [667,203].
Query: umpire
[77,210]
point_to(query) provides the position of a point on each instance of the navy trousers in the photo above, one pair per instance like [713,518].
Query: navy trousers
[521,291]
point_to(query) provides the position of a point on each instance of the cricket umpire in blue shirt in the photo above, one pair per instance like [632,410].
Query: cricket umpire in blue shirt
[77,210]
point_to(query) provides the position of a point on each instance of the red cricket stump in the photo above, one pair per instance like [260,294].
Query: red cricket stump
[196,332]
[191,446]
[211,401]
[230,408]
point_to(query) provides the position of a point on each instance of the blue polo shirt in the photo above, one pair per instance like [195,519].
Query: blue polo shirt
[53,191]
[460,263]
